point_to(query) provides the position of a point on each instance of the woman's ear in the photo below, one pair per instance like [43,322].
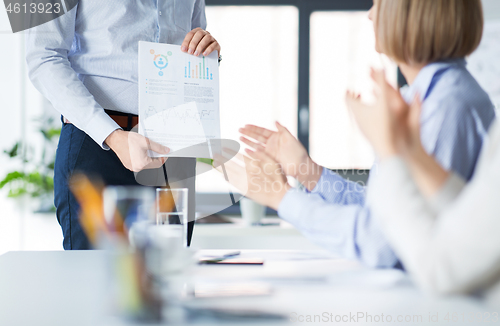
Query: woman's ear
[371,13]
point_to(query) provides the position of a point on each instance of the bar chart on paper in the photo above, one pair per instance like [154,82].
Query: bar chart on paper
[197,69]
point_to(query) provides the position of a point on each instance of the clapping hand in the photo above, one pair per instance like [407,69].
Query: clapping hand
[285,149]
[257,176]
[390,124]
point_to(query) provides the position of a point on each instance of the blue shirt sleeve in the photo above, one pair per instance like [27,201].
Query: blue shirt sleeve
[335,189]
[454,134]
[49,69]
[347,230]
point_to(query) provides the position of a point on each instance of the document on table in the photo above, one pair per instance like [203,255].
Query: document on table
[179,100]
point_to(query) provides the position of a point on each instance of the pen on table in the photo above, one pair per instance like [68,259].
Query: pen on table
[220,258]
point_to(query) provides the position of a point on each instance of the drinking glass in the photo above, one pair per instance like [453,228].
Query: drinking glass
[172,210]
[129,204]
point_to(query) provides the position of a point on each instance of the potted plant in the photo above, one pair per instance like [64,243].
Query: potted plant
[36,179]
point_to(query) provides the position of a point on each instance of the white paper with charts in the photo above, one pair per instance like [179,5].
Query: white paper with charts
[178,99]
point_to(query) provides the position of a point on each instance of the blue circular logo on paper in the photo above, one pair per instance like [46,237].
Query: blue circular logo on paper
[161,61]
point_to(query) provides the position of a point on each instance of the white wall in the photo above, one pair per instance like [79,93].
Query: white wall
[10,130]
[483,63]
[491,9]
[20,103]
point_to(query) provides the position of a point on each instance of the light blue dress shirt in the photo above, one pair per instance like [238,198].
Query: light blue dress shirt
[456,116]
[87,59]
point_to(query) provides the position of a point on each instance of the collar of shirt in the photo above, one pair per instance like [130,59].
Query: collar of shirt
[425,79]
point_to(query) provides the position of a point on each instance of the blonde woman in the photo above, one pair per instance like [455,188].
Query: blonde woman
[444,230]
[429,40]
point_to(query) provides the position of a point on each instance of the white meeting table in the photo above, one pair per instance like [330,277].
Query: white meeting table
[69,288]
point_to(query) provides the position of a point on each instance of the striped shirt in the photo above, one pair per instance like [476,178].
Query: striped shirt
[87,59]
[456,116]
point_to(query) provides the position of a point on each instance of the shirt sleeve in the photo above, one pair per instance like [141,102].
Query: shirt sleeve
[199,18]
[453,134]
[50,71]
[339,219]
[335,189]
[346,230]
[455,252]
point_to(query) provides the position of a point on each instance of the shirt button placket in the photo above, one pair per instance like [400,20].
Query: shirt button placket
[158,30]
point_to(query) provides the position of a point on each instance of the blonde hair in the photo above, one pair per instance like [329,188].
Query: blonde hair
[425,31]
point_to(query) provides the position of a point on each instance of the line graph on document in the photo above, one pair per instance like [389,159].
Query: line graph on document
[183,115]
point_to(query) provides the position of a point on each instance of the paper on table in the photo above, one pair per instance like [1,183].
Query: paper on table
[179,99]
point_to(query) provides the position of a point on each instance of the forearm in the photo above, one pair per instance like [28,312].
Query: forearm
[447,195]
[308,173]
[349,231]
[60,85]
[47,48]
[335,189]
[428,174]
[329,185]
[404,216]
[446,253]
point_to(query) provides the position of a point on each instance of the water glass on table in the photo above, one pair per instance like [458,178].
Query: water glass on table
[128,204]
[172,210]
[251,212]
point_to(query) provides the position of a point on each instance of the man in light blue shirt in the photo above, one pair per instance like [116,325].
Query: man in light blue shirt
[332,213]
[86,64]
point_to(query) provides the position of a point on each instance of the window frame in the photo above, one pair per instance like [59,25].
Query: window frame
[305,8]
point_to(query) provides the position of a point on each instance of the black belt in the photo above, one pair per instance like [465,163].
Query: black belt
[125,120]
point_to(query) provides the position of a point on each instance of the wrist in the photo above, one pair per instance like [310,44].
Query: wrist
[414,153]
[278,198]
[114,138]
[309,173]
[387,154]
[386,148]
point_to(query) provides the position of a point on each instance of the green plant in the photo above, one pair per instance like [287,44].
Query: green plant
[36,179]
[206,161]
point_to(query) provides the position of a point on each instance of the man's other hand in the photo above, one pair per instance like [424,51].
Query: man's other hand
[132,150]
[199,41]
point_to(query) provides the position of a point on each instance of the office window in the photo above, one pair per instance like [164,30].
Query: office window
[341,53]
[21,104]
[258,73]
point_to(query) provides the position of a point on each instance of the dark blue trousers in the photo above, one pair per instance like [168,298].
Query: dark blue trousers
[77,152]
